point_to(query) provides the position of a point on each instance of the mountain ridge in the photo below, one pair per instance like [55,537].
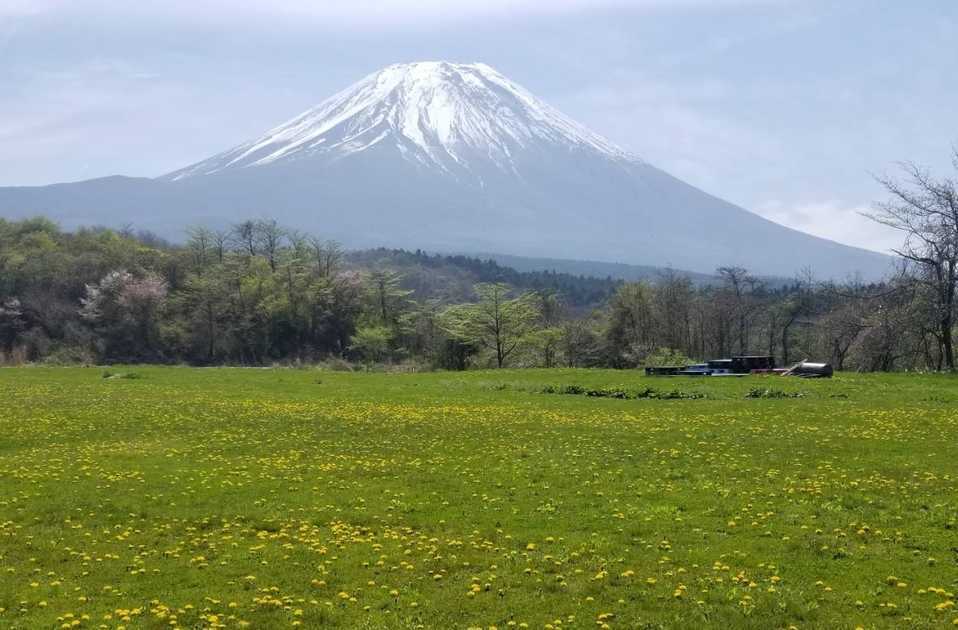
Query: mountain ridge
[435,112]
[455,157]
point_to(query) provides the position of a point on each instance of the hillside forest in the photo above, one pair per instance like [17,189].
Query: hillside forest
[259,294]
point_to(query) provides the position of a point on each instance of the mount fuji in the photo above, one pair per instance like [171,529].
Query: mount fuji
[452,157]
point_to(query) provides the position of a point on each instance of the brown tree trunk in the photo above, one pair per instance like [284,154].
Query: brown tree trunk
[946,341]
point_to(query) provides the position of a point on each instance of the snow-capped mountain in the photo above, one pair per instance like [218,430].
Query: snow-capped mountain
[442,115]
[452,157]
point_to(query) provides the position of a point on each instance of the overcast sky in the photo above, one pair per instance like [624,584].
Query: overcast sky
[785,107]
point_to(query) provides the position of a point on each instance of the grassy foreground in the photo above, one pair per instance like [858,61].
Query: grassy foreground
[270,498]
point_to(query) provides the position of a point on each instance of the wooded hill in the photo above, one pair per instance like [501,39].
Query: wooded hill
[258,294]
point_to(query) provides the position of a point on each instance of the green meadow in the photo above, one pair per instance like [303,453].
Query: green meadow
[149,497]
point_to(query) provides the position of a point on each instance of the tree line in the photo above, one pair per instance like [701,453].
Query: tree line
[258,293]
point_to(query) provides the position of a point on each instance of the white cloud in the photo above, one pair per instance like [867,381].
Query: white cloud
[833,220]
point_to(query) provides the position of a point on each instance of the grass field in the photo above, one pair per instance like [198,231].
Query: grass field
[270,498]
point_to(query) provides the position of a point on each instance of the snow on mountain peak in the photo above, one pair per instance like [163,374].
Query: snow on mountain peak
[437,113]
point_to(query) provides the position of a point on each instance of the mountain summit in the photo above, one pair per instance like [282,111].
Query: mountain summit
[439,114]
[453,157]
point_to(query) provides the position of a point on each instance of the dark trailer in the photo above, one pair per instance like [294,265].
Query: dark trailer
[736,366]
[745,364]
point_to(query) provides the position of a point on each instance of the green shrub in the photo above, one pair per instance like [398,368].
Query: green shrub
[757,392]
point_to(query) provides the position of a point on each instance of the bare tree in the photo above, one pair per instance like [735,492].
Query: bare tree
[631,331]
[269,237]
[326,255]
[794,307]
[220,241]
[244,234]
[740,286]
[925,210]
[673,301]
[840,327]
[579,342]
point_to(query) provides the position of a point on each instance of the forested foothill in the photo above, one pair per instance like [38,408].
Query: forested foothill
[258,293]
